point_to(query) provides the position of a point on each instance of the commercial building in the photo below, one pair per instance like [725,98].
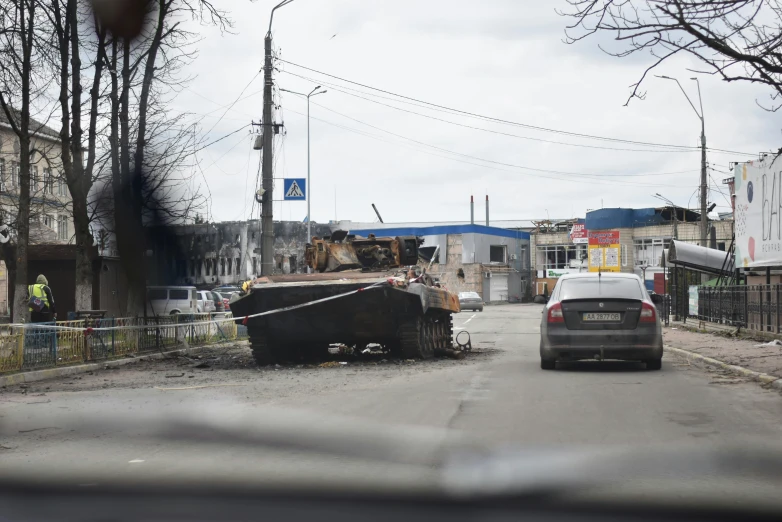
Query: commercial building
[640,235]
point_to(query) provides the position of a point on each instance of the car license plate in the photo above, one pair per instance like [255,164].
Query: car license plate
[602,317]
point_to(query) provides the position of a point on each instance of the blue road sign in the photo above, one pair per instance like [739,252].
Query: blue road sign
[295,189]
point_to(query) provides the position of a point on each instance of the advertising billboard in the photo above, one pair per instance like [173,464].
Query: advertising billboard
[758,213]
[604,251]
[578,234]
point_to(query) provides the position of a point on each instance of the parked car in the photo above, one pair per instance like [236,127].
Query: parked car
[217,299]
[172,300]
[205,304]
[227,296]
[470,301]
[600,316]
[226,289]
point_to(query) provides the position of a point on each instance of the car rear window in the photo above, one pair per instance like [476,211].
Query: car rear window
[178,295]
[605,287]
[469,295]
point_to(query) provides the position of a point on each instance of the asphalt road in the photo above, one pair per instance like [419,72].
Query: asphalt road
[499,396]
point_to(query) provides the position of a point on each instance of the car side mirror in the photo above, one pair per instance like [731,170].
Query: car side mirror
[657,299]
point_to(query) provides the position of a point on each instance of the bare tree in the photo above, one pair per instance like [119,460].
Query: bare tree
[146,152]
[736,40]
[67,50]
[18,89]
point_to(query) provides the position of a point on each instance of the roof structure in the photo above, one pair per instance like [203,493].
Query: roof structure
[37,127]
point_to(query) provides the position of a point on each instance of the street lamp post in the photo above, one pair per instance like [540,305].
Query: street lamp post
[704,176]
[309,187]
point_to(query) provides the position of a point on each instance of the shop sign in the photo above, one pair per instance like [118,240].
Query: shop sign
[604,251]
[579,234]
[758,213]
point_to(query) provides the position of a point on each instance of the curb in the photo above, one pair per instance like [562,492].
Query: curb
[763,378]
[63,371]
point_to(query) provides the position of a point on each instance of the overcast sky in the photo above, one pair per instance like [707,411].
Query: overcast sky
[499,58]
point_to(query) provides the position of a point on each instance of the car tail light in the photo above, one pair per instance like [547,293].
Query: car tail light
[555,314]
[648,313]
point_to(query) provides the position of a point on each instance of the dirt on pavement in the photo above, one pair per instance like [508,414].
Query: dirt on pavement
[759,356]
[233,365]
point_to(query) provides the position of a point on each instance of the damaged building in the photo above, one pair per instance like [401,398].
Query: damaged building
[226,253]
[492,261]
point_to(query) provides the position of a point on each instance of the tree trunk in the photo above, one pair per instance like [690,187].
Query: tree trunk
[27,25]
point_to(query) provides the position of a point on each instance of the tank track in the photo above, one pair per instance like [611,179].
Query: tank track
[423,336]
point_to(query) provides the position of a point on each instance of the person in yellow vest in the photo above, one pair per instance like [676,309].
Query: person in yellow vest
[41,291]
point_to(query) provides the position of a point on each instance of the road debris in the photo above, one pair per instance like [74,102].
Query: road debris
[175,376]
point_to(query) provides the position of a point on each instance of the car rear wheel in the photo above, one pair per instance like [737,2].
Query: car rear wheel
[654,364]
[547,364]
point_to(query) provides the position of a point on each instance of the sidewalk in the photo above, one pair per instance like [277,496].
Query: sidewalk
[752,355]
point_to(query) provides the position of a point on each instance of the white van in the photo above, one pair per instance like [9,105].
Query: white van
[171,300]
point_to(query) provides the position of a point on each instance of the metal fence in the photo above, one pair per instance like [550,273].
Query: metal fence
[752,307]
[36,347]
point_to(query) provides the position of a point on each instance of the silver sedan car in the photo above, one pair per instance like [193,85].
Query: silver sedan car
[600,316]
[470,301]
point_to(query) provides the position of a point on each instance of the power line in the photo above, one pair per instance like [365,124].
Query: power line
[234,102]
[506,122]
[591,180]
[218,140]
[348,93]
[466,155]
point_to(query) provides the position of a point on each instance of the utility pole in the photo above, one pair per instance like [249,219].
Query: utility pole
[267,218]
[704,176]
[704,228]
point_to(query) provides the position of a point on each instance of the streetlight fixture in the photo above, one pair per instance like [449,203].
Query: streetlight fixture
[312,93]
[704,182]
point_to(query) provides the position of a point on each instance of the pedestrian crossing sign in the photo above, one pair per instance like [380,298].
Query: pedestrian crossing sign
[295,189]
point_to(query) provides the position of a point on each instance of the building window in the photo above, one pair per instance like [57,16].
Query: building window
[649,251]
[2,175]
[62,186]
[192,268]
[48,221]
[15,174]
[62,228]
[48,182]
[236,264]
[34,178]
[222,266]
[497,254]
[558,257]
[255,266]
[230,261]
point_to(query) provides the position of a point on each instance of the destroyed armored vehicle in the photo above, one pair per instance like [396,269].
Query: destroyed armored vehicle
[360,291]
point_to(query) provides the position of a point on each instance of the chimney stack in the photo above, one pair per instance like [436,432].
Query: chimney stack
[472,211]
[487,210]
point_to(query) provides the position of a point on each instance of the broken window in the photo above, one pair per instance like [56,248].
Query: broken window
[497,254]
[238,262]
[255,266]
[460,273]
[222,266]
[293,264]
